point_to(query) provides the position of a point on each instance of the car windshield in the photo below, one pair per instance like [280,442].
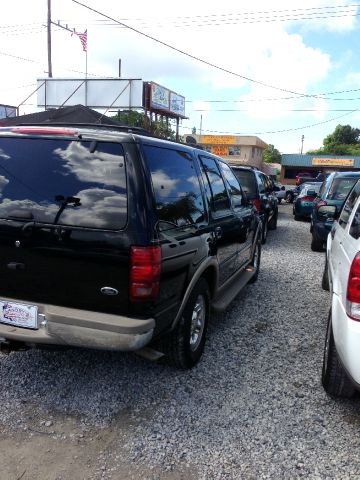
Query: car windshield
[340,188]
[307,187]
[247,181]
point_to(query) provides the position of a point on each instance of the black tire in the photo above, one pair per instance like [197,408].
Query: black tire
[325,277]
[317,245]
[264,231]
[255,262]
[289,198]
[184,346]
[273,222]
[334,379]
[297,218]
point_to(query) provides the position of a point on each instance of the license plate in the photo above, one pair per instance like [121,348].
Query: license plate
[18,314]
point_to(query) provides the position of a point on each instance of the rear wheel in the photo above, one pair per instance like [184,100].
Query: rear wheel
[334,379]
[184,346]
[316,243]
[325,278]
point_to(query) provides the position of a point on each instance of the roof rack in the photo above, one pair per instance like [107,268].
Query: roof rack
[104,126]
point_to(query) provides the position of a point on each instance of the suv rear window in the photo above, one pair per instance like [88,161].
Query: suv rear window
[247,181]
[340,188]
[63,182]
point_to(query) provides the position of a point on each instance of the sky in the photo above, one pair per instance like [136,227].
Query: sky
[287,72]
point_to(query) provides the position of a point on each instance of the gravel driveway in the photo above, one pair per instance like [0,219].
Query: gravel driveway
[253,408]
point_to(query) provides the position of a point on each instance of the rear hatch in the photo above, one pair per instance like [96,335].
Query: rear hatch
[63,210]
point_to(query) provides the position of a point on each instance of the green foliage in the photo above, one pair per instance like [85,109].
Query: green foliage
[272,155]
[345,140]
[133,118]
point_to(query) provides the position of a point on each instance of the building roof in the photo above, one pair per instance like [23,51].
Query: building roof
[71,114]
[297,160]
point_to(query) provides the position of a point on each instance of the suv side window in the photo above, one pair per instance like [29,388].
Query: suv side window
[233,185]
[261,183]
[214,185]
[349,205]
[176,185]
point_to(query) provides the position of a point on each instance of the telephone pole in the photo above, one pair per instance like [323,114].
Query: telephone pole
[49,37]
[302,144]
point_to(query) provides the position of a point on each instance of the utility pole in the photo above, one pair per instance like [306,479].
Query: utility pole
[302,144]
[49,37]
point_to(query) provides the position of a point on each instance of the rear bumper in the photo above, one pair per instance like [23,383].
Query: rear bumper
[81,328]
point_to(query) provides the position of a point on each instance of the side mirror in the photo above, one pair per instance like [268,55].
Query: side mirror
[328,211]
[282,188]
[276,188]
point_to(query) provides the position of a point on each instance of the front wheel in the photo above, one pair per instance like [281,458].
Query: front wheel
[334,379]
[325,278]
[273,221]
[264,231]
[184,346]
[255,262]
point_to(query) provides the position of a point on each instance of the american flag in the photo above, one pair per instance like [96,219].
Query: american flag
[83,39]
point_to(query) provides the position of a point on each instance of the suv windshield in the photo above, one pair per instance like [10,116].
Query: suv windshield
[247,181]
[63,182]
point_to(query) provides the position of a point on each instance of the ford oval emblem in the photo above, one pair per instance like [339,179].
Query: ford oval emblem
[109,291]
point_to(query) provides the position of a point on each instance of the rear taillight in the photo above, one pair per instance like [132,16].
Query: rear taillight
[306,199]
[353,290]
[257,203]
[321,203]
[145,267]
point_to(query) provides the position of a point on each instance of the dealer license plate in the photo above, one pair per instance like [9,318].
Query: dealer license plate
[18,314]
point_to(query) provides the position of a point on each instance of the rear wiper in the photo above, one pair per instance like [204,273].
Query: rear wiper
[64,202]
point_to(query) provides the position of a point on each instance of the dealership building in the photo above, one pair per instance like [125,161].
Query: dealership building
[293,164]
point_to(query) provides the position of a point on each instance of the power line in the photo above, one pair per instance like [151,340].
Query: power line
[188,54]
[277,131]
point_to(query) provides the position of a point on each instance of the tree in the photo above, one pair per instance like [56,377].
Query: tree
[345,140]
[272,155]
[132,118]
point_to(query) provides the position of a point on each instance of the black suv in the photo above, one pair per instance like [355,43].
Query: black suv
[260,189]
[114,240]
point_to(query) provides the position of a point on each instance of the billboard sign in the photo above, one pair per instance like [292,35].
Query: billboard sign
[7,111]
[94,93]
[162,98]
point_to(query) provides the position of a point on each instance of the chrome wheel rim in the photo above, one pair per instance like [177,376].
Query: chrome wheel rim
[197,322]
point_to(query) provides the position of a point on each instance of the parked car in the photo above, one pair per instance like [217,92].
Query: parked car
[114,240]
[260,189]
[302,178]
[302,205]
[333,191]
[341,362]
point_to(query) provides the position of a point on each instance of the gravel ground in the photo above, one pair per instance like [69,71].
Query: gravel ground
[253,408]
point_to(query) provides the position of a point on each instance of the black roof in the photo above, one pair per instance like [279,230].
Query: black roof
[76,114]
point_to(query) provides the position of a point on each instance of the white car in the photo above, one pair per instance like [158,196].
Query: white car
[341,365]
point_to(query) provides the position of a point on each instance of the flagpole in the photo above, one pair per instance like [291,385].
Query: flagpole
[86,73]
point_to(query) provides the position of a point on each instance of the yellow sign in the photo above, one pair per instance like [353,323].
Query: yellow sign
[333,162]
[220,150]
[218,140]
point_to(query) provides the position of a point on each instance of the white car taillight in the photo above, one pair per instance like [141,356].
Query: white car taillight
[353,290]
